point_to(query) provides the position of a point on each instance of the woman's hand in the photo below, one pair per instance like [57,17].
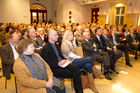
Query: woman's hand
[62,62]
[49,84]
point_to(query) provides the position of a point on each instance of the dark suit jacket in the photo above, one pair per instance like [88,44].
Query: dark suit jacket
[49,55]
[108,42]
[103,47]
[116,38]
[7,57]
[129,39]
[88,48]
[137,36]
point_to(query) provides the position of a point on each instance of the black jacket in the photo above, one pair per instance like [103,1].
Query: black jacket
[7,57]
[48,54]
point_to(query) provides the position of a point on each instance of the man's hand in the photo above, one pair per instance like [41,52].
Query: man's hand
[115,49]
[100,50]
[116,44]
[110,49]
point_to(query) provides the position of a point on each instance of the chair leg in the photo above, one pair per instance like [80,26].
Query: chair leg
[16,85]
[101,66]
[6,83]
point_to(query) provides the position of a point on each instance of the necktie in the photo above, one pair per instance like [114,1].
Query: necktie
[134,40]
[100,42]
[114,39]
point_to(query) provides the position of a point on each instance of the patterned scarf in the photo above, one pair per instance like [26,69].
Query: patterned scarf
[35,65]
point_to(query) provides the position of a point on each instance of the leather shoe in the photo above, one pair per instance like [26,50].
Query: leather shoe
[107,76]
[130,65]
[114,71]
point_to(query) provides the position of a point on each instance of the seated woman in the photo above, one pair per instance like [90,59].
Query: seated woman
[68,49]
[33,74]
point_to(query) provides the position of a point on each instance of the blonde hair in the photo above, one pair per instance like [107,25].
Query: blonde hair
[66,35]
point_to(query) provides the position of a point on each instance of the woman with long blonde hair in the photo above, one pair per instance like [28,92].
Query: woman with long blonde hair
[68,48]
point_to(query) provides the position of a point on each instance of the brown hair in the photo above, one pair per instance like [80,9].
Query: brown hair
[23,44]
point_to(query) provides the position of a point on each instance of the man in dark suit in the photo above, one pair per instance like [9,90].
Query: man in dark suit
[103,47]
[91,49]
[51,53]
[137,33]
[9,54]
[116,47]
[133,42]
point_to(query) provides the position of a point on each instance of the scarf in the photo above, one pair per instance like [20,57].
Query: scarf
[35,65]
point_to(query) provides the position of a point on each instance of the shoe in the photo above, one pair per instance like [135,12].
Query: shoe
[107,76]
[101,76]
[114,71]
[129,64]
[110,71]
[96,73]
[135,58]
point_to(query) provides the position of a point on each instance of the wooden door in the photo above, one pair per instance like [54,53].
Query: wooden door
[95,15]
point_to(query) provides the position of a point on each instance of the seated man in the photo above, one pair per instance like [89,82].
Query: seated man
[103,48]
[133,42]
[39,43]
[51,53]
[111,46]
[91,49]
[79,34]
[9,55]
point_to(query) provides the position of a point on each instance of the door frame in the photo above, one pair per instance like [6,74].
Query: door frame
[38,11]
[96,15]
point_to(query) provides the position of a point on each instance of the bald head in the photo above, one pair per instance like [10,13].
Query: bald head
[86,35]
[52,36]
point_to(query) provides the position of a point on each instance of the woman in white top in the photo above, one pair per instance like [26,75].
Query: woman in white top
[68,49]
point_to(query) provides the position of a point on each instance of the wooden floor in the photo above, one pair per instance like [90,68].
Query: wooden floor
[126,82]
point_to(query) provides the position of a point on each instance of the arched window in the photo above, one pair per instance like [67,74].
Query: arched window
[38,13]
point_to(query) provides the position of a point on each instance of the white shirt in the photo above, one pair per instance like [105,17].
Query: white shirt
[114,39]
[14,51]
[71,54]
[42,37]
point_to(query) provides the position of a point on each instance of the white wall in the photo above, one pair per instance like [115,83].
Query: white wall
[57,6]
[14,11]
[80,14]
[47,4]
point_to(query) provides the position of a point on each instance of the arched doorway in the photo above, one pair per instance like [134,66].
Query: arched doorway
[38,13]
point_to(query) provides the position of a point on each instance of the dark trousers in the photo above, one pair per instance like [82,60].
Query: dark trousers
[71,71]
[102,57]
[125,49]
[114,56]
[134,48]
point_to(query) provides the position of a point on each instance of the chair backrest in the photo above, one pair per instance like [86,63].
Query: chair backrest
[79,51]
